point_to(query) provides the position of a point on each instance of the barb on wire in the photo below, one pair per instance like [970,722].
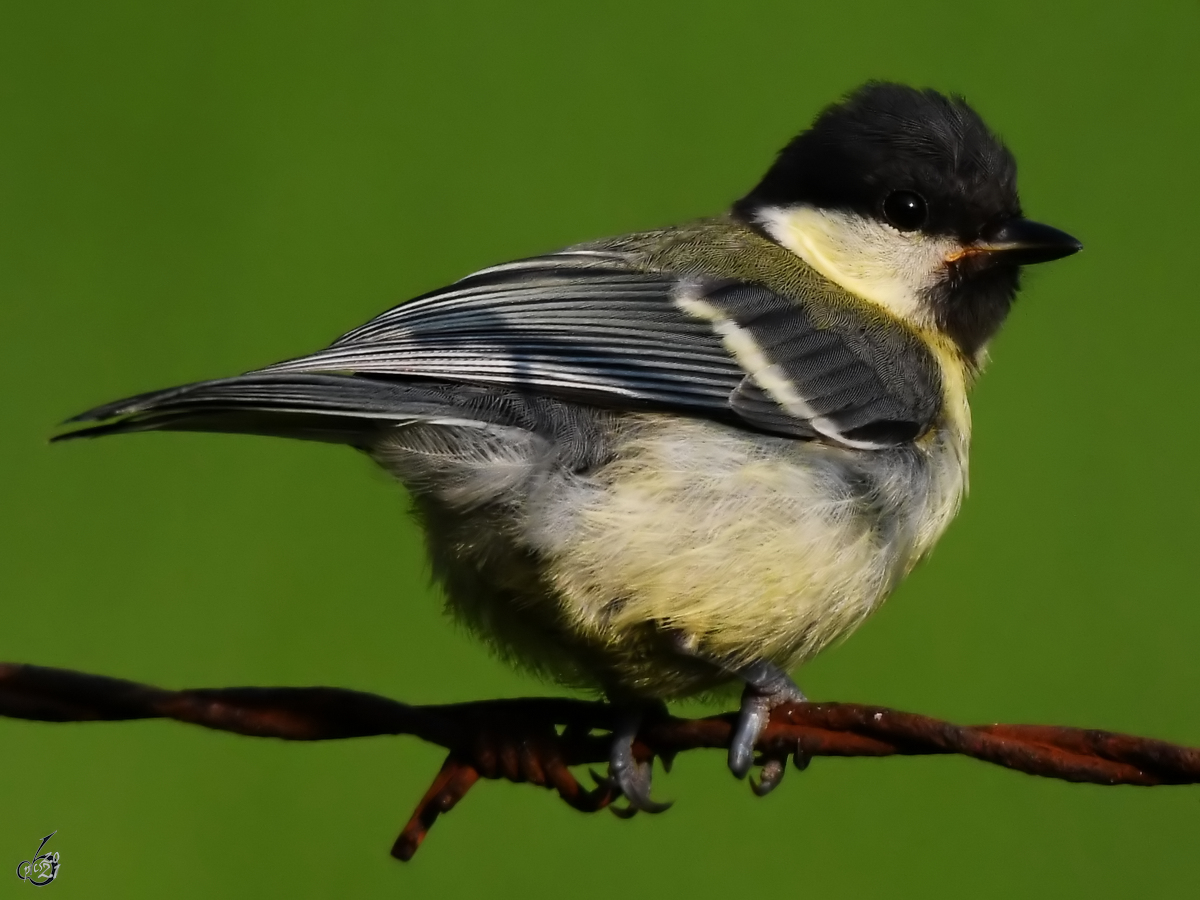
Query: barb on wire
[537,740]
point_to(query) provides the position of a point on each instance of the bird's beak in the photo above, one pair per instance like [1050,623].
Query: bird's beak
[1022,242]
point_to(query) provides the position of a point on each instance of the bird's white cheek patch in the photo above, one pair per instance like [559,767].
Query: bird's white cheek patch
[892,269]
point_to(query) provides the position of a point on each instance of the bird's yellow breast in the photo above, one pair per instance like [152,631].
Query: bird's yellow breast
[740,545]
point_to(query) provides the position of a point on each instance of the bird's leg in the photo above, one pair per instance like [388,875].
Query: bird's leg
[767,686]
[631,776]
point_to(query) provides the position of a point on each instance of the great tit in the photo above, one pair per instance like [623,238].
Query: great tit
[663,462]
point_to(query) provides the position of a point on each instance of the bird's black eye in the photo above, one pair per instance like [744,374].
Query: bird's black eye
[905,210]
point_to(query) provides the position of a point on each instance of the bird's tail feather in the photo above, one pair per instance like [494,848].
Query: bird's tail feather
[341,409]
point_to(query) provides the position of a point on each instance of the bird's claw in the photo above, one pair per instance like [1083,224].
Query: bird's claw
[668,760]
[758,700]
[772,774]
[774,768]
[630,776]
[636,791]
[752,719]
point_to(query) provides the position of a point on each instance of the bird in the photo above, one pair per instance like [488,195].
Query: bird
[662,464]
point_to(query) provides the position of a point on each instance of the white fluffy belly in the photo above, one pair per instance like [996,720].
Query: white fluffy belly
[744,546]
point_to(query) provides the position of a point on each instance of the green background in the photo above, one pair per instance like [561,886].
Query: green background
[195,189]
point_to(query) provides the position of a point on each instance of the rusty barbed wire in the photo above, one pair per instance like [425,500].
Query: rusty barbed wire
[537,740]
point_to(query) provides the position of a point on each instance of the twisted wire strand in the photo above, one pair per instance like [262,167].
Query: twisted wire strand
[537,740]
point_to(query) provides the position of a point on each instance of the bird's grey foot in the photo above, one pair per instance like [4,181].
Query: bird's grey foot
[628,774]
[767,686]
[773,768]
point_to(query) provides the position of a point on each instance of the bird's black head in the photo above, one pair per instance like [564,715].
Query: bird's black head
[911,185]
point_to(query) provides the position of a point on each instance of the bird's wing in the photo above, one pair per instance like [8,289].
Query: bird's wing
[591,327]
[583,326]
